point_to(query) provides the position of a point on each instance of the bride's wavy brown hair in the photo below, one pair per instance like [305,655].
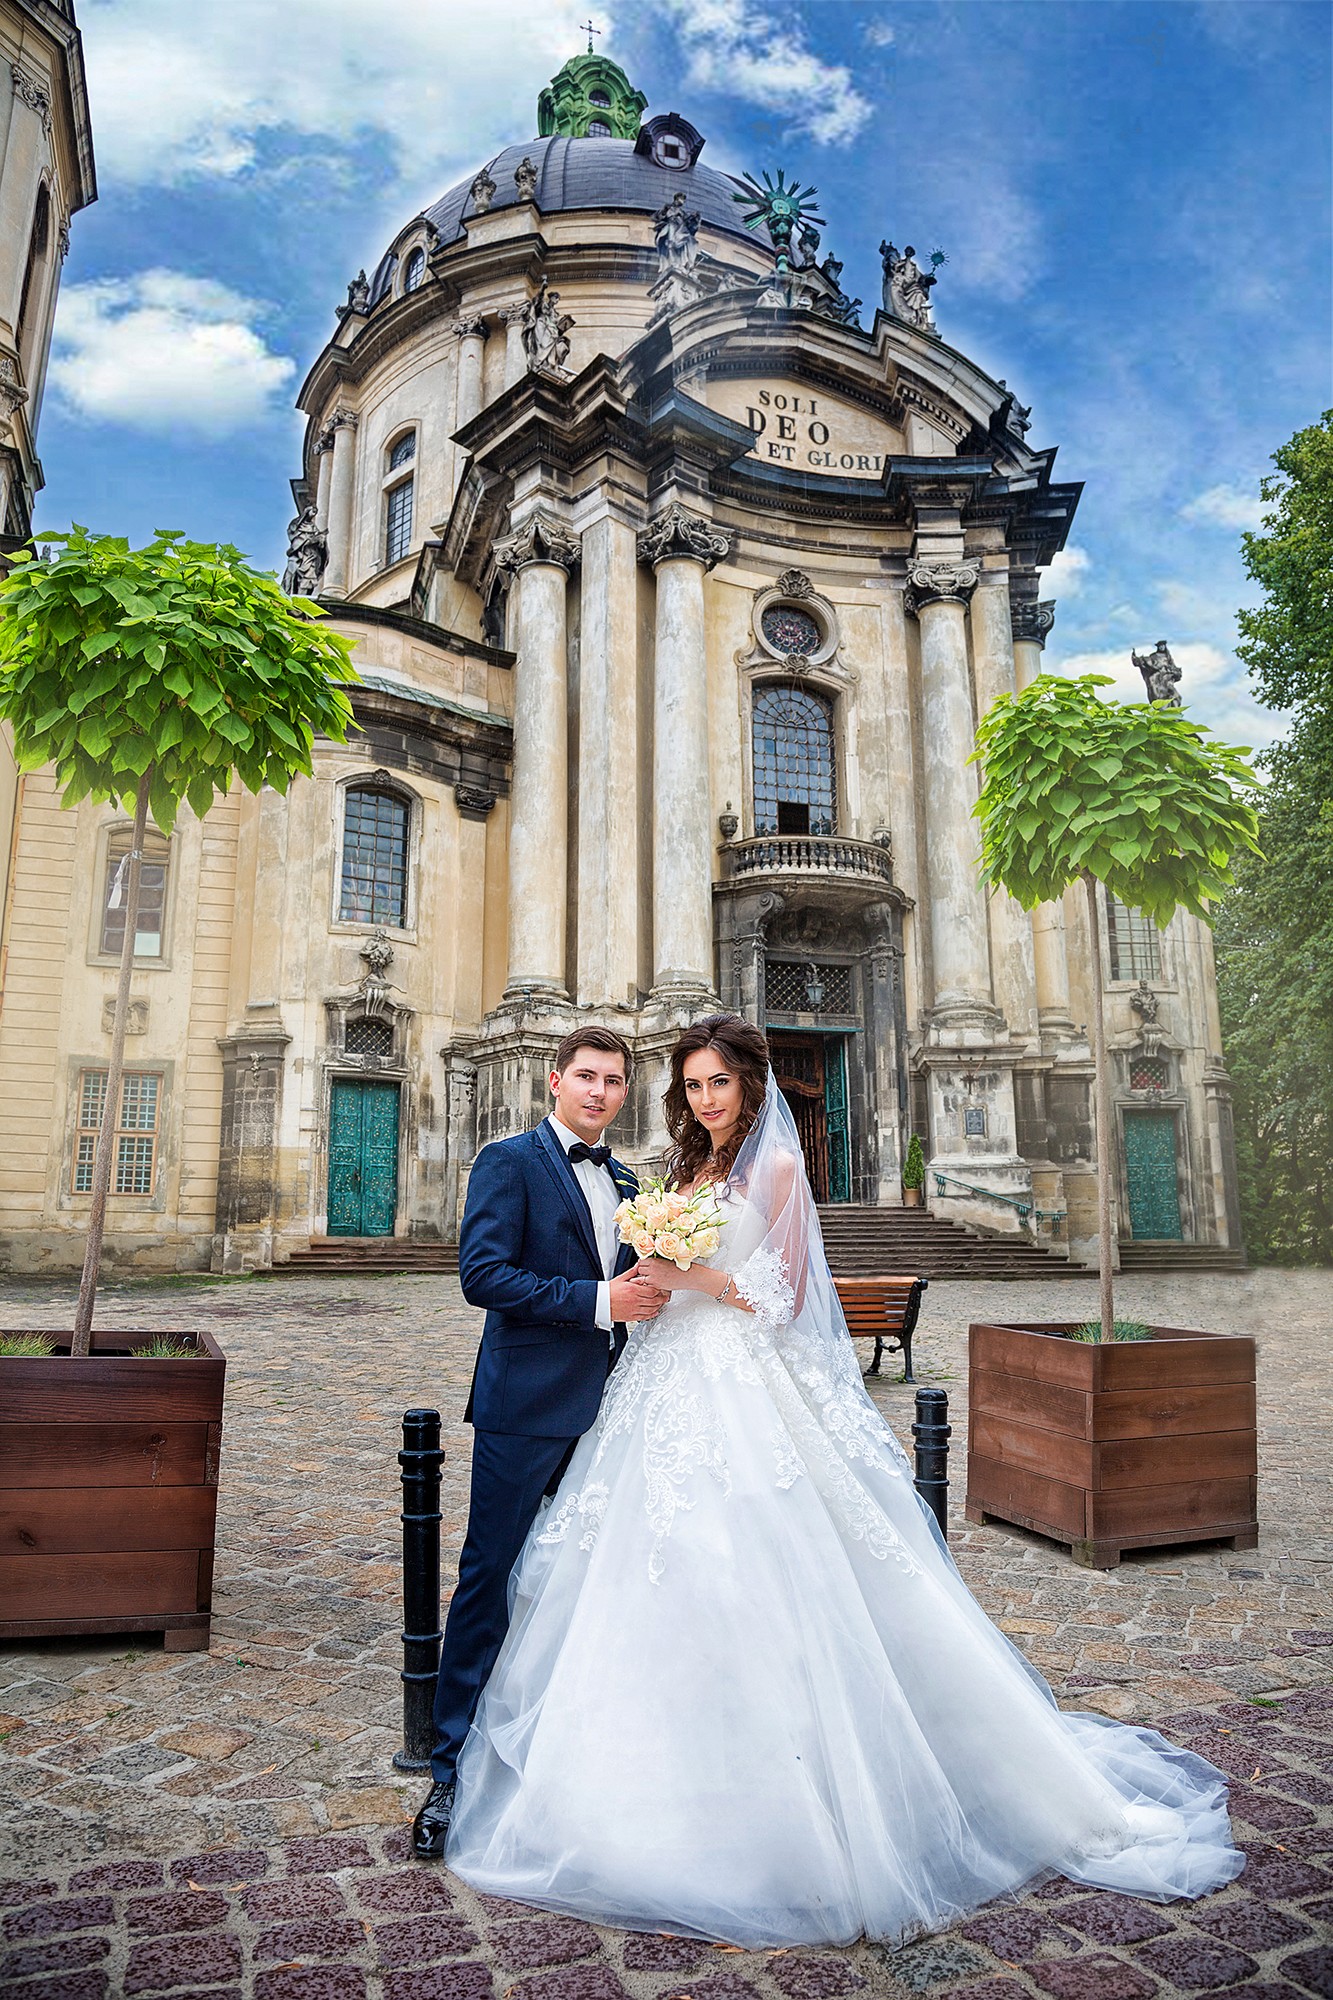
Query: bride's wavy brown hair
[743,1052]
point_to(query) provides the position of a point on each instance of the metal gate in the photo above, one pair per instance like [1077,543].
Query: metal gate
[363,1158]
[1150,1174]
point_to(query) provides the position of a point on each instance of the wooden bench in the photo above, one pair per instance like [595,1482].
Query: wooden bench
[884,1310]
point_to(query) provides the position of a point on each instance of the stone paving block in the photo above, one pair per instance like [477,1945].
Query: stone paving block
[1265,1813]
[119,1875]
[469,1981]
[721,1986]
[921,1966]
[67,1955]
[1192,1965]
[572,1982]
[311,1982]
[178,1910]
[413,1890]
[76,1986]
[318,1937]
[63,1913]
[1311,1968]
[136,1760]
[286,1902]
[1091,1978]
[810,1975]
[647,1951]
[1250,1925]
[228,1864]
[1014,1934]
[1112,1919]
[423,1938]
[1274,1989]
[544,1941]
[990,1989]
[1280,1877]
[325,1854]
[1306,1785]
[14,1893]
[174,1961]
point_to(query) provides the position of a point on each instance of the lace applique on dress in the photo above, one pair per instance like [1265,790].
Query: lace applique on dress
[589,1504]
[762,1283]
[790,1464]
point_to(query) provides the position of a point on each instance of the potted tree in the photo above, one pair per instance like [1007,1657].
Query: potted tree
[914,1173]
[1111,1435]
[148,676]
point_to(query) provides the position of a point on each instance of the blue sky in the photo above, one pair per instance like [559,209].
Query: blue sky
[1133,199]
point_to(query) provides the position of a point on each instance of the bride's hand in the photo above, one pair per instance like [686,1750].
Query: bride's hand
[669,1278]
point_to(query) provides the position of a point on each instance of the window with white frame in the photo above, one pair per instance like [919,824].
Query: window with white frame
[134,1158]
[1134,941]
[376,829]
[150,926]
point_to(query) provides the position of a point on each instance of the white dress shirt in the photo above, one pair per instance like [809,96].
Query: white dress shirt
[603,1200]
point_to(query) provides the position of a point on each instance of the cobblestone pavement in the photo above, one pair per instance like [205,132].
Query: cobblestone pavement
[229,1827]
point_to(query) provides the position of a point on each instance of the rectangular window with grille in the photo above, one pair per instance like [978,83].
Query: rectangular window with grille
[398,522]
[134,1162]
[374,874]
[1135,942]
[804,988]
[148,930]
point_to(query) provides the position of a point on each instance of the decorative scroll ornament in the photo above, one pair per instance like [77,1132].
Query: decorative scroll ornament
[525,180]
[1031,619]
[678,533]
[473,802]
[795,583]
[939,583]
[483,192]
[30,91]
[541,539]
[342,419]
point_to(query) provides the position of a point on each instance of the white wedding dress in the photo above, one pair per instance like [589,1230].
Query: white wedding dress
[745,1694]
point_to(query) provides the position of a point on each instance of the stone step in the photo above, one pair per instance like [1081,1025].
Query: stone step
[865,1241]
[350,1255]
[1181,1257]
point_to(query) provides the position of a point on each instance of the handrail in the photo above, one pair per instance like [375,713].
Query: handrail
[806,853]
[1025,1209]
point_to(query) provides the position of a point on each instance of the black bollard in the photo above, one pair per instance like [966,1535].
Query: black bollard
[421,1459]
[931,1432]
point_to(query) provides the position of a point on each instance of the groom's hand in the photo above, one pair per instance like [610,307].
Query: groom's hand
[633,1298]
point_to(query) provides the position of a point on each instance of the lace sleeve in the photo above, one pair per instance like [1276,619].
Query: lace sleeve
[762,1283]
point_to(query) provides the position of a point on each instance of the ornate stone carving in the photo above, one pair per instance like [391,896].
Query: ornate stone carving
[470,324]
[1144,1001]
[1161,675]
[728,823]
[907,287]
[136,1016]
[358,294]
[1013,415]
[525,180]
[795,583]
[473,802]
[545,330]
[482,192]
[940,582]
[62,237]
[342,419]
[374,987]
[30,90]
[12,393]
[1031,619]
[676,234]
[541,539]
[307,554]
[678,533]
[911,396]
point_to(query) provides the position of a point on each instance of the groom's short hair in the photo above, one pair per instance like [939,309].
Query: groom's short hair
[605,1040]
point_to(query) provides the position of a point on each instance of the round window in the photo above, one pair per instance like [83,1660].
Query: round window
[598,129]
[788,630]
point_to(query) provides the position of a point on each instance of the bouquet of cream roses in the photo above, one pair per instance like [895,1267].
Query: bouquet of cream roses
[659,1222]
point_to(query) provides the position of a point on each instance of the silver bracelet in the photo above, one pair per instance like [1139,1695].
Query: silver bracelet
[726,1291]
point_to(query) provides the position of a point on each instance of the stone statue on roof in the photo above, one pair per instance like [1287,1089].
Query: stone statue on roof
[676,234]
[1161,675]
[307,554]
[907,287]
[545,329]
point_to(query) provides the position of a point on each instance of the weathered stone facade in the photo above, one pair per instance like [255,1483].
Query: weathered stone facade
[676,596]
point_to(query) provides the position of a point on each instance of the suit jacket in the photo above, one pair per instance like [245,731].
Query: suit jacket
[528,1254]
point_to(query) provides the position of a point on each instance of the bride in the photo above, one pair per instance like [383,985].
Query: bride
[745,1694]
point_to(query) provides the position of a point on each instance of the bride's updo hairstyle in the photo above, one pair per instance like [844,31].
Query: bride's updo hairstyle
[742,1051]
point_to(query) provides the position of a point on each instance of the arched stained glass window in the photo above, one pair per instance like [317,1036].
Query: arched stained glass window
[415,272]
[403,451]
[374,878]
[794,783]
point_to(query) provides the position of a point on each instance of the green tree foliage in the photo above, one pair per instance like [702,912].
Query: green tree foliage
[1275,928]
[1130,794]
[914,1166]
[152,676]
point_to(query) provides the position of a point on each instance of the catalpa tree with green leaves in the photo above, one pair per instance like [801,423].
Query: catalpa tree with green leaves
[150,677]
[1132,795]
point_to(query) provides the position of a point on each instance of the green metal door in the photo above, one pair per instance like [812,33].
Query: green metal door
[363,1159]
[835,1119]
[1150,1170]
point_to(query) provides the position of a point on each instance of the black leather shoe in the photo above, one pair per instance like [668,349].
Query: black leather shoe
[432,1823]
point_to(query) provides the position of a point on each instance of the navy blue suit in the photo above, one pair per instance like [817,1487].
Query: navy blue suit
[528,1254]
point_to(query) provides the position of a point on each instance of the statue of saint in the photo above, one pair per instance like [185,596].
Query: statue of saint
[676,233]
[545,331]
[907,288]
[307,554]
[1161,675]
[358,294]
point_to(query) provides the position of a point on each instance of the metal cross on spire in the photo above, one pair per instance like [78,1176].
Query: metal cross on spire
[588,29]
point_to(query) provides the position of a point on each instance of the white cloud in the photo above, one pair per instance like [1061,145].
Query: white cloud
[164,352]
[1213,686]
[1066,571]
[880,34]
[740,48]
[1226,507]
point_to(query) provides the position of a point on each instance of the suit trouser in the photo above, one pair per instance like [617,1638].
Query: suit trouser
[509,1477]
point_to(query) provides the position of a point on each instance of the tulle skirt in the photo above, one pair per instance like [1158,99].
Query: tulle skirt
[745,1694]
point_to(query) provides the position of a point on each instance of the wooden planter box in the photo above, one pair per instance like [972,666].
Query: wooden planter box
[108,1491]
[1129,1445]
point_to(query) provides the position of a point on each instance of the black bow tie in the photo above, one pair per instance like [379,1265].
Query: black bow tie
[599,1155]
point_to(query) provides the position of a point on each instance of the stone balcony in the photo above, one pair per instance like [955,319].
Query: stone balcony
[816,860]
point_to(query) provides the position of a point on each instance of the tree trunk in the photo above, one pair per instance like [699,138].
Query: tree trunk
[1102,1099]
[106,1138]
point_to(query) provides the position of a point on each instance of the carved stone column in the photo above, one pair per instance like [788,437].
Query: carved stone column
[342,489]
[937,593]
[516,361]
[607,952]
[1030,622]
[28,143]
[471,332]
[539,556]
[247,1195]
[324,461]
[680,547]
[1012,951]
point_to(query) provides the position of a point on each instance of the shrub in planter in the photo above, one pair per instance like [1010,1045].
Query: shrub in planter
[149,677]
[914,1172]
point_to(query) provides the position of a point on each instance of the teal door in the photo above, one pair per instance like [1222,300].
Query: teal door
[1150,1170]
[835,1118]
[363,1159]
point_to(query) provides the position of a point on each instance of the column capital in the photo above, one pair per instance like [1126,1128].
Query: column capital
[1032,619]
[470,324]
[541,539]
[341,419]
[511,315]
[945,581]
[676,532]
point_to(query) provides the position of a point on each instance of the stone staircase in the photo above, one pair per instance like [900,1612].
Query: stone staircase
[1180,1260]
[898,1242]
[366,1256]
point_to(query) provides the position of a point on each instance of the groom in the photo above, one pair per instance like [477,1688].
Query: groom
[538,1249]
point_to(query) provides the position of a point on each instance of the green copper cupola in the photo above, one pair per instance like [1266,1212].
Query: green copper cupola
[591,98]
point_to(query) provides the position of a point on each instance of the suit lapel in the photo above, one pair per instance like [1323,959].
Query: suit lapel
[627,1187]
[553,1159]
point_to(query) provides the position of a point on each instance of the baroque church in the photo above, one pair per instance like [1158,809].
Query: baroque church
[678,583]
